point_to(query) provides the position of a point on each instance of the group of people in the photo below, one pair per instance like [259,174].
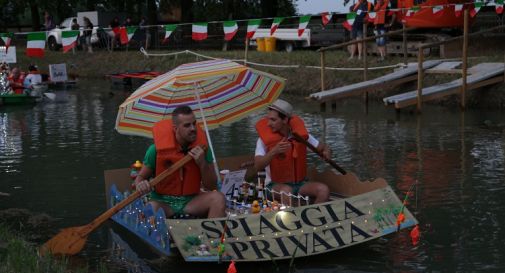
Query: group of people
[114,25]
[20,81]
[85,40]
[381,23]
[283,158]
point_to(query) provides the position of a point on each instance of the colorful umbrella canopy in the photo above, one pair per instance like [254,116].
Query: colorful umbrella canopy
[227,92]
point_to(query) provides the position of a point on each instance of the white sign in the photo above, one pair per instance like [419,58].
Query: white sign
[58,72]
[10,56]
[233,180]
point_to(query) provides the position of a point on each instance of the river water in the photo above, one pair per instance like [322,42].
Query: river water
[52,158]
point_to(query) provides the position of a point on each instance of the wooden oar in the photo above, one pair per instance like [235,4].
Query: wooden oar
[71,240]
[300,139]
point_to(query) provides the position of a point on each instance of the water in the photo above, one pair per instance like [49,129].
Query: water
[52,158]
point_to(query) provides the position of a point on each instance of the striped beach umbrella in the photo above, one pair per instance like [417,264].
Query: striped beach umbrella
[218,91]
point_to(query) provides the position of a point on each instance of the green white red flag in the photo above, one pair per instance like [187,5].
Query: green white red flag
[499,6]
[230,29]
[412,11]
[458,9]
[437,10]
[371,16]
[304,21]
[476,8]
[126,34]
[69,39]
[275,25]
[351,16]
[168,31]
[36,42]
[326,17]
[7,38]
[199,31]
[252,26]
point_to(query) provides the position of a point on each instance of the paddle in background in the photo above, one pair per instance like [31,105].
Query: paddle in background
[71,240]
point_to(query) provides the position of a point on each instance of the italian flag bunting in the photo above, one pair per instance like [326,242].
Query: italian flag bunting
[275,25]
[371,16]
[199,31]
[499,6]
[476,8]
[168,30]
[437,10]
[69,39]
[458,9]
[7,38]
[36,44]
[412,11]
[252,26]
[230,29]
[349,20]
[326,17]
[126,34]
[304,21]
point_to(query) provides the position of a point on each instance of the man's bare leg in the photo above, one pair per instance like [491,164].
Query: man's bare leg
[279,188]
[317,190]
[208,204]
[157,205]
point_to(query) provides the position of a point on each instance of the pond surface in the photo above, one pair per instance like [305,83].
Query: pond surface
[52,158]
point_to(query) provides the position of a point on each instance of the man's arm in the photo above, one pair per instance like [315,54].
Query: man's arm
[262,158]
[320,146]
[141,181]
[209,179]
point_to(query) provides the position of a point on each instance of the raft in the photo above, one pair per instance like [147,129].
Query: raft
[357,212]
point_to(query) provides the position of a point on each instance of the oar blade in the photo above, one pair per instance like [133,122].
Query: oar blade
[68,242]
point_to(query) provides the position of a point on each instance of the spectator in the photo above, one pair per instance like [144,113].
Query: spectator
[88,31]
[362,7]
[75,26]
[144,30]
[114,26]
[48,21]
[381,26]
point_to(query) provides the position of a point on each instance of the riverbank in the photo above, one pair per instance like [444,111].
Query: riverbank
[301,80]
[21,232]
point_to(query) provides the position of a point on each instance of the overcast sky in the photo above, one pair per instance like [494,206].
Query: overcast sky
[318,6]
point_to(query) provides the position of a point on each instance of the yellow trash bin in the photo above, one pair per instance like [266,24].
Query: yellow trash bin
[270,44]
[261,44]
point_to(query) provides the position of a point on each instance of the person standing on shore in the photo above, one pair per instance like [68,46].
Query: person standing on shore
[88,31]
[362,7]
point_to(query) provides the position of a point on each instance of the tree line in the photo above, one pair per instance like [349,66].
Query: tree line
[30,12]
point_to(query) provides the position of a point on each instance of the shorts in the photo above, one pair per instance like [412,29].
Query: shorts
[295,186]
[381,41]
[176,203]
[357,31]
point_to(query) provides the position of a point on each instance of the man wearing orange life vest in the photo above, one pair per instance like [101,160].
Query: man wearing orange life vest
[16,79]
[381,26]
[179,194]
[283,158]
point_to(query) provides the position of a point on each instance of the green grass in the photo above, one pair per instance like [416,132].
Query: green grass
[19,256]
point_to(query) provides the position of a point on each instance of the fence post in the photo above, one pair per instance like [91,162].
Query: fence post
[465,60]
[420,72]
[246,50]
[365,61]
[322,71]
[404,45]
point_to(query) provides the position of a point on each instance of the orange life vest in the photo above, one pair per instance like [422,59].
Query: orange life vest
[17,84]
[187,180]
[380,16]
[291,166]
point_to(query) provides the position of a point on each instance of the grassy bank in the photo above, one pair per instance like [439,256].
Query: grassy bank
[300,81]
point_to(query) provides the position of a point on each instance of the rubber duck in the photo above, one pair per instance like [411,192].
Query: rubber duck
[255,207]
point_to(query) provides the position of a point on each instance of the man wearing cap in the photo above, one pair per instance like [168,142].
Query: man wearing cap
[33,77]
[283,158]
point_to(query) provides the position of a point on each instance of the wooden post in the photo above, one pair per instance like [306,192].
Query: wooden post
[404,45]
[246,51]
[464,66]
[420,72]
[322,71]
[365,62]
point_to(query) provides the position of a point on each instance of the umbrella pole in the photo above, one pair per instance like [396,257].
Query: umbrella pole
[216,168]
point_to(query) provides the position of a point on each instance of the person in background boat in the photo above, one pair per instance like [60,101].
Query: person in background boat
[362,7]
[88,31]
[32,78]
[180,194]
[381,26]
[283,158]
[16,80]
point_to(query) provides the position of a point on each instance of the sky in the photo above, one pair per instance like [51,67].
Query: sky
[318,6]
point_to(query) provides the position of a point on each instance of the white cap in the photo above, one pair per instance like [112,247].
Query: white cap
[282,106]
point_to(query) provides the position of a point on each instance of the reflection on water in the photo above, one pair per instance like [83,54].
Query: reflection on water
[52,157]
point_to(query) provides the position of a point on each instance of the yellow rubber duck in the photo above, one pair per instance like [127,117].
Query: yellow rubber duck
[255,207]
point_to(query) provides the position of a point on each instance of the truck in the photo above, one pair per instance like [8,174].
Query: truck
[99,20]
